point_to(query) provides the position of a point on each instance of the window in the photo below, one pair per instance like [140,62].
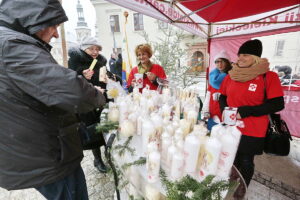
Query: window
[162,25]
[114,23]
[279,47]
[138,22]
[197,60]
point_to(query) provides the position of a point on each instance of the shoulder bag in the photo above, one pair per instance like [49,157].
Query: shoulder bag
[277,140]
[90,138]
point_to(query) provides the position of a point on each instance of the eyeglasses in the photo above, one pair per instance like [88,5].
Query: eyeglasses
[218,61]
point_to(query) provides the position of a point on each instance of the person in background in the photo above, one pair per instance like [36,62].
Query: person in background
[40,146]
[119,66]
[150,70]
[80,61]
[211,108]
[244,89]
[112,63]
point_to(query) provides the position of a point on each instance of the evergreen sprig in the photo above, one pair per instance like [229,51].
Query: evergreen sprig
[190,189]
[122,148]
[139,162]
[106,126]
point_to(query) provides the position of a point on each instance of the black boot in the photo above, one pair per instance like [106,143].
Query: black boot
[98,162]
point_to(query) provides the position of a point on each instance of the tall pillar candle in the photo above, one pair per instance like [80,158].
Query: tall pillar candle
[177,166]
[191,152]
[211,157]
[153,166]
[148,131]
[151,193]
[227,156]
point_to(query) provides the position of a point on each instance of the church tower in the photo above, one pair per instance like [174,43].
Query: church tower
[82,29]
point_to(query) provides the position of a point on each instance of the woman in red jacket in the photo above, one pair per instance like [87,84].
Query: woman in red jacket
[149,70]
[244,89]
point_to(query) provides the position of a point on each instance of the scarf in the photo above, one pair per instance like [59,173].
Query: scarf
[144,69]
[216,77]
[244,74]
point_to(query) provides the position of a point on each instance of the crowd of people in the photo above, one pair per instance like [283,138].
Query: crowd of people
[40,147]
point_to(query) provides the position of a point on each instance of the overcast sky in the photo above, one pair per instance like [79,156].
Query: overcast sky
[71,11]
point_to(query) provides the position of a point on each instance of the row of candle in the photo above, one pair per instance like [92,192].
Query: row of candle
[180,146]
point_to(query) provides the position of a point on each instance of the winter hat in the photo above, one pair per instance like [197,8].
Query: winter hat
[88,41]
[252,47]
[222,54]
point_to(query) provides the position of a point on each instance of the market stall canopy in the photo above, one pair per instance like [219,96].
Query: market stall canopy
[219,18]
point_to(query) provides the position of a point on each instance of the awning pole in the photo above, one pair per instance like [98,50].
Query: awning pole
[63,43]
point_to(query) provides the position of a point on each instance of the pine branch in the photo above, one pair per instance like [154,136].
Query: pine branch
[106,126]
[122,148]
[139,162]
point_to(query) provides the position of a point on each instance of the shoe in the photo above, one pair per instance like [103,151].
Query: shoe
[100,166]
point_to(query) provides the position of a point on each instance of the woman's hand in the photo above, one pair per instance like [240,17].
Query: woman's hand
[151,76]
[88,73]
[133,82]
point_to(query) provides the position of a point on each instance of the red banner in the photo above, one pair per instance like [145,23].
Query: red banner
[291,112]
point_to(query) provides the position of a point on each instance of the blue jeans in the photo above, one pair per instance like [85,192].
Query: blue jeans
[72,187]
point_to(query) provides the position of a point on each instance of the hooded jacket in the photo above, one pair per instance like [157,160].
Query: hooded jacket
[38,99]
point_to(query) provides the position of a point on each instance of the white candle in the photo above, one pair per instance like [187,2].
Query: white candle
[170,129]
[123,108]
[211,157]
[191,152]
[177,166]
[217,130]
[166,111]
[139,122]
[158,123]
[113,114]
[227,156]
[127,128]
[192,116]
[166,142]
[171,150]
[185,126]
[150,105]
[148,131]
[153,166]
[151,193]
[102,74]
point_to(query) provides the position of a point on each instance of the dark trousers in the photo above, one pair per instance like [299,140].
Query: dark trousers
[72,187]
[245,164]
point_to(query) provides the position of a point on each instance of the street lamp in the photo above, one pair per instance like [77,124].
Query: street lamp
[113,26]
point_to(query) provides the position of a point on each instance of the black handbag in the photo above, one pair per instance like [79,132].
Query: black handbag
[277,140]
[89,137]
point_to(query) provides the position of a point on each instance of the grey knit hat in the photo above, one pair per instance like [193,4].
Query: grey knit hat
[89,41]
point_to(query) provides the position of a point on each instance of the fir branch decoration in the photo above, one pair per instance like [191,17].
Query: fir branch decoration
[122,148]
[139,162]
[190,189]
[105,127]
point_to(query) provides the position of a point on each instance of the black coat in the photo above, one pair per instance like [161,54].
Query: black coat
[38,99]
[79,61]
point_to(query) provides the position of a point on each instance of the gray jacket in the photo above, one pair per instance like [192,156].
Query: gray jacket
[39,143]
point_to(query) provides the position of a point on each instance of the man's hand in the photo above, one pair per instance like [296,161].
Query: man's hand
[100,89]
[151,76]
[88,73]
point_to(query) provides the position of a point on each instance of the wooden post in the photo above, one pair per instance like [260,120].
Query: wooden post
[63,43]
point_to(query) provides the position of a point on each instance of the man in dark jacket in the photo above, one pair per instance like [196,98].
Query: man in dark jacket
[112,63]
[39,145]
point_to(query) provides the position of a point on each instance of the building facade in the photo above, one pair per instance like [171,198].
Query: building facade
[110,25]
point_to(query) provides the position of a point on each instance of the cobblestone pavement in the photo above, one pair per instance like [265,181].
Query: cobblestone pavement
[100,186]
